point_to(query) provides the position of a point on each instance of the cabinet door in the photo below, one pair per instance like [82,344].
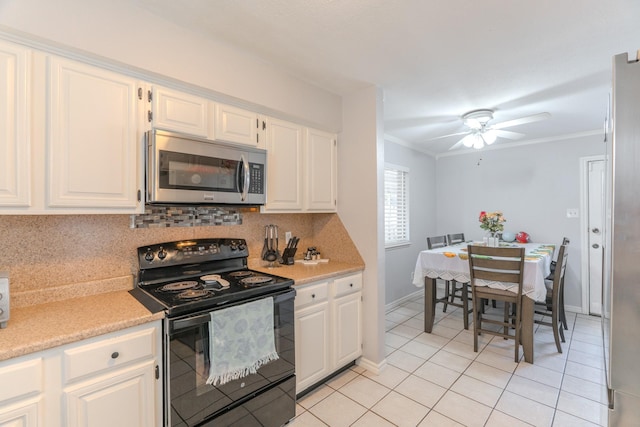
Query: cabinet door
[15,142]
[21,387]
[321,171]
[92,140]
[181,112]
[237,125]
[24,413]
[284,167]
[312,345]
[124,398]
[347,329]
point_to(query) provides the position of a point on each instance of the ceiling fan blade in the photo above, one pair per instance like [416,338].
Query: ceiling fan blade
[447,136]
[456,145]
[508,134]
[522,120]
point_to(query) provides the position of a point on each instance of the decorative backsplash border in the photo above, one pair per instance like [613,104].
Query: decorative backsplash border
[185,216]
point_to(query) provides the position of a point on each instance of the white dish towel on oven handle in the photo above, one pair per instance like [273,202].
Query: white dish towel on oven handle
[241,340]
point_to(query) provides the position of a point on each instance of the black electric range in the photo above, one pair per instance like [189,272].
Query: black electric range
[192,275]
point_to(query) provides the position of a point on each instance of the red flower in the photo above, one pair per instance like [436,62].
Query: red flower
[483,214]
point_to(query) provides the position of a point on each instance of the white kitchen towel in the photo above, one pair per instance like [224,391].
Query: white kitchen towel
[240,340]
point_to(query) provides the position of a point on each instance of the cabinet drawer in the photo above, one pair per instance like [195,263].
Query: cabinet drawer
[311,294]
[19,379]
[348,284]
[108,353]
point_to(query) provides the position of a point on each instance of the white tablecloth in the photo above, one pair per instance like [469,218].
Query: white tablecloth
[452,263]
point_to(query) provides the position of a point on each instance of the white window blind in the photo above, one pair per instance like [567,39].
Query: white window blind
[396,205]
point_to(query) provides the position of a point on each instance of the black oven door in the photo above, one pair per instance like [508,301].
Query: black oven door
[189,401]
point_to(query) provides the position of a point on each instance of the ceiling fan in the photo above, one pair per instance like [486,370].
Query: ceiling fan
[482,133]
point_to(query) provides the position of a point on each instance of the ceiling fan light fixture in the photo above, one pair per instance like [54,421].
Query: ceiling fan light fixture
[479,143]
[489,136]
[476,119]
[469,140]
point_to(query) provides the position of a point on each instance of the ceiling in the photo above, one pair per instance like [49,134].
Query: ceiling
[436,60]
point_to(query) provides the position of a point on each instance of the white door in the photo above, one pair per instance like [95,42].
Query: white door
[321,171]
[92,142]
[284,167]
[237,125]
[14,126]
[596,170]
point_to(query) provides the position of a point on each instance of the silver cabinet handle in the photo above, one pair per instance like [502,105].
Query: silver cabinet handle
[595,246]
[595,230]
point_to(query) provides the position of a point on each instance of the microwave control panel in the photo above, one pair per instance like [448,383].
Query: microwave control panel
[256,183]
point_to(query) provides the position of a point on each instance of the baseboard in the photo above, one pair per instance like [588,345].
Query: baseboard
[397,303]
[573,309]
[374,368]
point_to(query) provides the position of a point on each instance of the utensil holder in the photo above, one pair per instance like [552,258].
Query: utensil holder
[287,256]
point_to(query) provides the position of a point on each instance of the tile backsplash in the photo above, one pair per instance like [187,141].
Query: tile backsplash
[185,216]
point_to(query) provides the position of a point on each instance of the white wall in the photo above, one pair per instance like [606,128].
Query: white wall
[533,185]
[360,189]
[121,31]
[401,261]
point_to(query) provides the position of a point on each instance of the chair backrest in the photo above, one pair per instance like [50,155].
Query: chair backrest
[561,266]
[455,238]
[436,242]
[496,264]
[565,241]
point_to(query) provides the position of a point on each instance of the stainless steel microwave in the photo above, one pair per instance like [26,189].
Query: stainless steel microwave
[182,169]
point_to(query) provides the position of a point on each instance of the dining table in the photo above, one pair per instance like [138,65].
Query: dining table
[452,263]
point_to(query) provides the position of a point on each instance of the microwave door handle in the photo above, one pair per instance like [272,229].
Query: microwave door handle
[246,175]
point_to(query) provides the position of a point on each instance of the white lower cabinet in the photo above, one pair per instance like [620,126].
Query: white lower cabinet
[110,380]
[123,398]
[21,393]
[328,326]
[312,330]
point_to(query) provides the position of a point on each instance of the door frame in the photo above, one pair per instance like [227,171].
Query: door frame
[584,227]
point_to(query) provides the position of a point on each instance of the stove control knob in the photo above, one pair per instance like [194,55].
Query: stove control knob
[148,256]
[162,254]
[242,246]
[233,246]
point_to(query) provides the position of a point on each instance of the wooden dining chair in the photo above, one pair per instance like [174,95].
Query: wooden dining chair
[455,238]
[459,291]
[563,316]
[435,242]
[451,291]
[504,265]
[552,305]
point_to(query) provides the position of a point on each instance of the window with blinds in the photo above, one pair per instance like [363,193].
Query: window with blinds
[396,205]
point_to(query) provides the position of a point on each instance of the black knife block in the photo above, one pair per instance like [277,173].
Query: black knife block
[287,256]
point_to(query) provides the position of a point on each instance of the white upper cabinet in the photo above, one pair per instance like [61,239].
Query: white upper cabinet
[321,153]
[92,143]
[301,169]
[15,141]
[284,167]
[237,125]
[180,112]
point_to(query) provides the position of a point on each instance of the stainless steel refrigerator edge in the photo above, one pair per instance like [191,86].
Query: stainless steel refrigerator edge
[621,290]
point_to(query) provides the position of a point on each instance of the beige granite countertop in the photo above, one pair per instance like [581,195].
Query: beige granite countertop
[43,326]
[303,274]
[72,313]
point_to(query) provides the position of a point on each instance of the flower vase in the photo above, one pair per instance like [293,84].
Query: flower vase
[493,242]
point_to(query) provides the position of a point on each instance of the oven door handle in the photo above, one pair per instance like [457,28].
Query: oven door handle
[176,325]
[190,322]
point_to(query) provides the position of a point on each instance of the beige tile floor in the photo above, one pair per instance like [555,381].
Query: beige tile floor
[438,380]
